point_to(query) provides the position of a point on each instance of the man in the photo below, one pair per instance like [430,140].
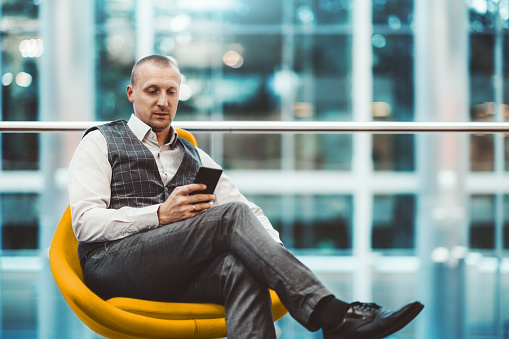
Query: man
[143,235]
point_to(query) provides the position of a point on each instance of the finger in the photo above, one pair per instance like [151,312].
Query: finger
[188,189]
[201,207]
[197,198]
[195,187]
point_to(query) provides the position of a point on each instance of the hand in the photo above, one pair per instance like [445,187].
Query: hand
[180,205]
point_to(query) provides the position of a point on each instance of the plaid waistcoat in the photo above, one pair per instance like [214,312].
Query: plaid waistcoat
[135,180]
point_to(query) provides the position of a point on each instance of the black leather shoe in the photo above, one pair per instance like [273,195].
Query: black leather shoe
[368,321]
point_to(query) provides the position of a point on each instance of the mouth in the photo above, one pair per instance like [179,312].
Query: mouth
[160,114]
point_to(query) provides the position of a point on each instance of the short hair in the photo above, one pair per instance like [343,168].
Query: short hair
[159,60]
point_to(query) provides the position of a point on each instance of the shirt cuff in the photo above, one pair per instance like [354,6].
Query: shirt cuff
[148,217]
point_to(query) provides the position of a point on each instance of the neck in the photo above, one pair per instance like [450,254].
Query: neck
[162,136]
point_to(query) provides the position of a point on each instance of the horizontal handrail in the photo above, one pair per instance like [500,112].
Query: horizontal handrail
[278,127]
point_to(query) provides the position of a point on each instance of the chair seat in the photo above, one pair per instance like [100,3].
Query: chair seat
[178,311]
[168,310]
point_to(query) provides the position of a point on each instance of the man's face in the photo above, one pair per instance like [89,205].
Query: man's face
[155,95]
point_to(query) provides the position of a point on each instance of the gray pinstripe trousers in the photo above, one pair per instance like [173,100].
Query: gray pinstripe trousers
[222,256]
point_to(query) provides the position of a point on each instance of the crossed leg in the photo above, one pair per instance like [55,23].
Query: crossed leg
[162,264]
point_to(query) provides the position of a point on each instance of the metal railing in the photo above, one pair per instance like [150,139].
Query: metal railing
[278,127]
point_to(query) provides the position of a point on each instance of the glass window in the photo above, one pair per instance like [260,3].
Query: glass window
[322,12]
[322,223]
[505,107]
[393,152]
[482,221]
[393,77]
[482,97]
[272,206]
[20,151]
[393,82]
[323,82]
[115,45]
[21,48]
[254,12]
[394,221]
[246,90]
[314,224]
[393,13]
[323,93]
[505,230]
[20,221]
[248,151]
[200,82]
[488,46]
[323,152]
[113,76]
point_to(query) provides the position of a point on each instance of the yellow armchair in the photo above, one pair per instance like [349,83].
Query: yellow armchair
[132,318]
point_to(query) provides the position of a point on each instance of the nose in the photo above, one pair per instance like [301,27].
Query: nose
[162,100]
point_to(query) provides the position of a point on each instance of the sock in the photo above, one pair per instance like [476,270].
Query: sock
[329,313]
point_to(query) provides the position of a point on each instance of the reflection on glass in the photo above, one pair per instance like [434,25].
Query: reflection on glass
[393,13]
[322,12]
[20,151]
[252,151]
[113,76]
[482,14]
[482,221]
[253,12]
[323,222]
[323,65]
[482,153]
[482,96]
[323,152]
[505,232]
[394,221]
[20,11]
[393,152]
[272,206]
[247,89]
[20,102]
[393,65]
[114,58]
[19,220]
[393,96]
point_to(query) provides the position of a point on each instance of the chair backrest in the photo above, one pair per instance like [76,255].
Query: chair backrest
[65,245]
[187,135]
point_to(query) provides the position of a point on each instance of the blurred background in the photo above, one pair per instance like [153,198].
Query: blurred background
[378,217]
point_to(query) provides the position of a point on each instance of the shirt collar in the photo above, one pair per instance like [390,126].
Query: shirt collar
[141,130]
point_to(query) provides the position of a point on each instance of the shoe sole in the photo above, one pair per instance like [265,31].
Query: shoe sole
[413,311]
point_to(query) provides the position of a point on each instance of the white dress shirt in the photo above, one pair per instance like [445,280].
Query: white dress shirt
[89,188]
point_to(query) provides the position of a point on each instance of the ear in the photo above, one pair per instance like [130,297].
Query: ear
[129,92]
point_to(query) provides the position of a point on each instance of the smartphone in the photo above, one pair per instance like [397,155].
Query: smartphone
[208,176]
